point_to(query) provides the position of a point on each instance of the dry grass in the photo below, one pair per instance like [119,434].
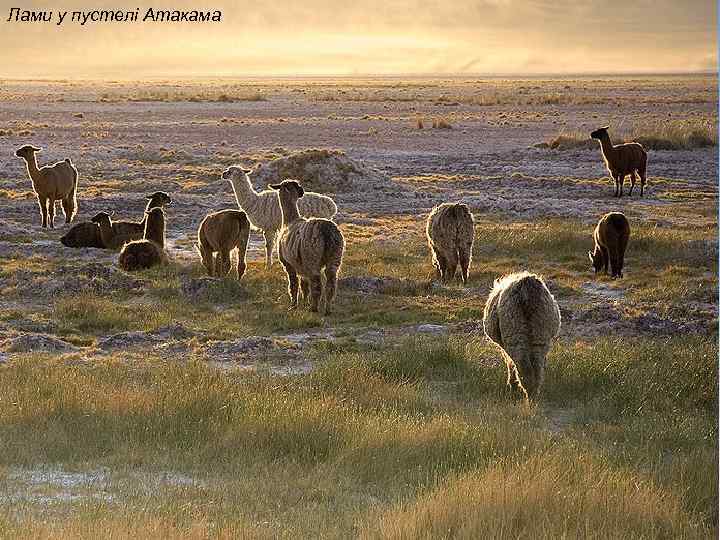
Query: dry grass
[672,135]
[402,443]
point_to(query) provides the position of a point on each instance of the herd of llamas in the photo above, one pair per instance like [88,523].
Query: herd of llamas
[521,316]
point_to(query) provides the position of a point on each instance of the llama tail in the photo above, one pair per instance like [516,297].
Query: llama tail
[73,192]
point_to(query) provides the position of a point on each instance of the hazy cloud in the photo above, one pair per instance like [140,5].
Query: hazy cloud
[370,36]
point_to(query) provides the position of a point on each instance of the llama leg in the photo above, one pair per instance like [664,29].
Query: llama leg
[225,263]
[51,213]
[292,285]
[241,251]
[464,255]
[452,263]
[439,264]
[68,206]
[526,373]
[614,264]
[305,289]
[315,292]
[621,181]
[42,201]
[330,288]
[214,262]
[269,247]
[643,180]
[632,182]
[614,177]
[605,258]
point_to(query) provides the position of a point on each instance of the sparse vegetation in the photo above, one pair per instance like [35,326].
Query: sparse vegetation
[672,135]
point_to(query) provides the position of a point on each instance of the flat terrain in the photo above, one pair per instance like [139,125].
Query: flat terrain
[164,404]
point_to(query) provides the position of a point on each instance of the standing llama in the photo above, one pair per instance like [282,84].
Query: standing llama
[52,183]
[622,160]
[522,318]
[263,208]
[611,237]
[221,232]
[306,247]
[450,232]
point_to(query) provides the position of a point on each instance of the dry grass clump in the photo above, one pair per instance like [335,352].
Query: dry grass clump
[514,500]
[675,135]
[684,134]
[184,95]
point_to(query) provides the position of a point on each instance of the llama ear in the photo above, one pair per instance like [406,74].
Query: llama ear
[590,256]
[36,148]
[605,128]
[276,187]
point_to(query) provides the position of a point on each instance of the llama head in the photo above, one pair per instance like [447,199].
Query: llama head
[288,188]
[234,172]
[159,199]
[600,133]
[27,151]
[101,217]
[596,260]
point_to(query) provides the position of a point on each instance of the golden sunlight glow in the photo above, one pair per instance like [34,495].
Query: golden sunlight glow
[370,37]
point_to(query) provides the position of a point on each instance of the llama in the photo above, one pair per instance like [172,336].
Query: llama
[112,236]
[622,160]
[84,234]
[263,208]
[306,247]
[87,234]
[51,183]
[522,318]
[450,233]
[150,251]
[221,232]
[611,237]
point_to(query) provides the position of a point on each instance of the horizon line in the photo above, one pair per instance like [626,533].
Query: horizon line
[428,75]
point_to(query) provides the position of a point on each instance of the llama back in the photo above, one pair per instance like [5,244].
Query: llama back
[451,226]
[528,310]
[311,244]
[141,255]
[316,205]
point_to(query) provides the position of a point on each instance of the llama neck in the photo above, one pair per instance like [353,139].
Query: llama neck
[247,198]
[289,211]
[32,166]
[155,230]
[106,233]
[607,148]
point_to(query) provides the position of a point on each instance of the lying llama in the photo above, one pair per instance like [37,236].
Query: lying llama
[52,183]
[611,237]
[522,318]
[150,251]
[87,234]
[622,160]
[221,232]
[84,234]
[450,233]
[263,208]
[306,247]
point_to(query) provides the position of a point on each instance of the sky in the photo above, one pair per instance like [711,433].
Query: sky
[362,37]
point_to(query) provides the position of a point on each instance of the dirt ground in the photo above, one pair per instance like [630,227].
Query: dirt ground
[129,139]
